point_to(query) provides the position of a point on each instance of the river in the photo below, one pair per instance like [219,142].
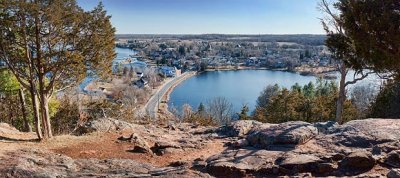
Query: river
[122,53]
[238,87]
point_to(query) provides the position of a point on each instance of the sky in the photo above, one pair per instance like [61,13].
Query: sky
[212,16]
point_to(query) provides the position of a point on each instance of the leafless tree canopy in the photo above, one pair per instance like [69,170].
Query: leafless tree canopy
[221,110]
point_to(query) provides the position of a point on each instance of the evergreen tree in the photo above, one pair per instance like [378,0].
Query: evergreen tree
[373,26]
[50,46]
[243,113]
[387,102]
[201,108]
[309,90]
[343,48]
[182,50]
[310,104]
[307,54]
[296,87]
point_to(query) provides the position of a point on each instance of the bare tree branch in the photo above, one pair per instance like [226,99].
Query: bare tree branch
[358,79]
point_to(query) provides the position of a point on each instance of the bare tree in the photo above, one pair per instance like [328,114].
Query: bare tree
[362,97]
[220,110]
[152,76]
[187,112]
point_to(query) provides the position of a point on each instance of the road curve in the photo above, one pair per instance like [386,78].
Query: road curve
[152,104]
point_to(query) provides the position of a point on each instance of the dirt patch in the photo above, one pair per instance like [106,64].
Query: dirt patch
[106,147]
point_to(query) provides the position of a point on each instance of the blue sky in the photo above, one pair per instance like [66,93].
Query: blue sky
[212,16]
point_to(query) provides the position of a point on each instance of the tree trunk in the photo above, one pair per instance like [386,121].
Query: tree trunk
[44,106]
[46,113]
[10,111]
[27,126]
[342,94]
[35,107]
[44,121]
[44,110]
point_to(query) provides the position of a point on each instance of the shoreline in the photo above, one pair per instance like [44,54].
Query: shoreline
[323,72]
[164,108]
[165,98]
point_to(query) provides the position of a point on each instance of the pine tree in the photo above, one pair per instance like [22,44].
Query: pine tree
[243,113]
[373,27]
[201,108]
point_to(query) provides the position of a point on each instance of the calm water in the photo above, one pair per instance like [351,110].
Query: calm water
[239,87]
[122,53]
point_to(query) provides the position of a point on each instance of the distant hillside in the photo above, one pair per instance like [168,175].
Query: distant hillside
[305,39]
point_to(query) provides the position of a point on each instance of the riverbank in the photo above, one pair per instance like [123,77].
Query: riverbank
[157,104]
[323,72]
[163,110]
[230,68]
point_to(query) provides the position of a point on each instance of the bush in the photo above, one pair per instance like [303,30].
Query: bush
[362,96]
[66,118]
[200,117]
[103,108]
[387,102]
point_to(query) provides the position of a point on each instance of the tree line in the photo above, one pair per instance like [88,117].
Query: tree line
[310,103]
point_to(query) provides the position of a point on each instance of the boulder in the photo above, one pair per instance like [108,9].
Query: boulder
[241,128]
[140,145]
[179,164]
[387,147]
[164,144]
[44,163]
[393,159]
[8,132]
[5,126]
[206,130]
[366,133]
[325,127]
[199,164]
[106,125]
[238,163]
[394,173]
[292,163]
[240,143]
[358,161]
[171,150]
[289,133]
[162,147]
[325,168]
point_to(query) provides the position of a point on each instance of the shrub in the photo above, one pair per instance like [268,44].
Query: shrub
[387,102]
[66,118]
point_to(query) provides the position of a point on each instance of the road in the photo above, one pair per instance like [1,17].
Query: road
[152,104]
